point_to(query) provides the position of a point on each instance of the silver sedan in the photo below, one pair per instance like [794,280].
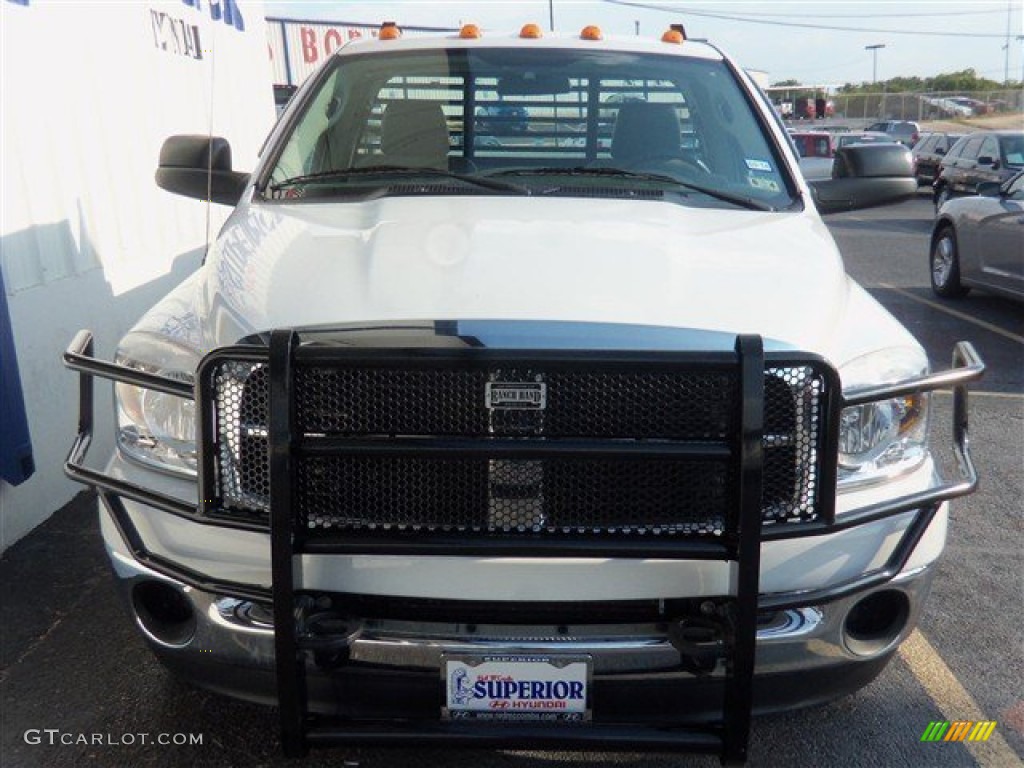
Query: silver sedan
[978,242]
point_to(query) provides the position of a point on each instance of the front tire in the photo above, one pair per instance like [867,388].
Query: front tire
[944,262]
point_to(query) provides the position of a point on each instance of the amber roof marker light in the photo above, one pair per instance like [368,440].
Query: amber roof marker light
[470,32]
[673,36]
[591,32]
[531,32]
[389,30]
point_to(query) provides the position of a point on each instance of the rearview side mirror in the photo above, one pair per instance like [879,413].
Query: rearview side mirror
[200,167]
[988,160]
[864,176]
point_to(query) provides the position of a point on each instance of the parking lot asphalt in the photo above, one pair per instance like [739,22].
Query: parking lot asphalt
[72,663]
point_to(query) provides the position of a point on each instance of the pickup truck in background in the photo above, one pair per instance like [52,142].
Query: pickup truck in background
[816,150]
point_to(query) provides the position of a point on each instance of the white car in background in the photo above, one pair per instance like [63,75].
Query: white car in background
[978,242]
[952,106]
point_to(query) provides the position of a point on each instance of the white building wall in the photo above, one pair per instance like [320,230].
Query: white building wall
[87,240]
[298,48]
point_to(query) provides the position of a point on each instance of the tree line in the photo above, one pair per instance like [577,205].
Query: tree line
[964,80]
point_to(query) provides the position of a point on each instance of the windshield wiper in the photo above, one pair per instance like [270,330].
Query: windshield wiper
[390,170]
[751,203]
[743,201]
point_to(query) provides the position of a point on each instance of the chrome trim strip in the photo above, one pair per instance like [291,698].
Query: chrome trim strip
[967,367]
[800,638]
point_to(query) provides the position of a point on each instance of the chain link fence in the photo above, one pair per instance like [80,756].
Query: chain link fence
[928,106]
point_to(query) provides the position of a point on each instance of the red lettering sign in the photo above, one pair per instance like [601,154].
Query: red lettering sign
[332,40]
[309,52]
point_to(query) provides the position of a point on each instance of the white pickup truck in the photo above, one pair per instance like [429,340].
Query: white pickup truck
[523,395]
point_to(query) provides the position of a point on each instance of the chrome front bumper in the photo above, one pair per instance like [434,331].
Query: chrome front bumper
[231,647]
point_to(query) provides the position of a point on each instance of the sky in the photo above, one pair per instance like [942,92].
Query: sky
[783,37]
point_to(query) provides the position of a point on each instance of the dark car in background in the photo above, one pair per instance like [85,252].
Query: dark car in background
[499,119]
[978,241]
[928,153]
[977,158]
[904,131]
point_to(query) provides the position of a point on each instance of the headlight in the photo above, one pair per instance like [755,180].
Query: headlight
[881,439]
[153,427]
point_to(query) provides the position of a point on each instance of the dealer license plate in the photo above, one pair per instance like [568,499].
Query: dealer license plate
[516,687]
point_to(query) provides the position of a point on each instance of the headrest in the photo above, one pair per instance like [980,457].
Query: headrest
[415,133]
[645,130]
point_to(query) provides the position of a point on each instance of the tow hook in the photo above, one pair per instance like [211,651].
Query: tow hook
[325,632]
[700,640]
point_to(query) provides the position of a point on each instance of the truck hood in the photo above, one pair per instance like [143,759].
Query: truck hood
[609,261]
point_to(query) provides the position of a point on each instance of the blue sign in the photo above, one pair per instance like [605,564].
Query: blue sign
[16,464]
[221,10]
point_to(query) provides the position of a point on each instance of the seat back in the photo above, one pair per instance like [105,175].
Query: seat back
[414,133]
[644,130]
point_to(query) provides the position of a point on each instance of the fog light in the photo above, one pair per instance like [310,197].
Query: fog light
[164,612]
[875,622]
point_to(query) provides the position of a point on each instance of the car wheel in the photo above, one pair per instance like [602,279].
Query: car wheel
[945,265]
[941,196]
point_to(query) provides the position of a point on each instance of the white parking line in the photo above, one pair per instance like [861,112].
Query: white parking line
[954,702]
[962,316]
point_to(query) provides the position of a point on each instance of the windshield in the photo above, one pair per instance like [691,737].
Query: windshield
[531,122]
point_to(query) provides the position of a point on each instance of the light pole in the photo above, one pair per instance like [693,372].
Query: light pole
[1006,65]
[874,60]
[1020,39]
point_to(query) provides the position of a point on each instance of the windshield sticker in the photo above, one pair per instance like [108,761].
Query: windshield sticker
[759,165]
[1015,158]
[760,182]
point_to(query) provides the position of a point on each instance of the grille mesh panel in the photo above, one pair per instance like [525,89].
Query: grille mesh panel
[242,403]
[382,401]
[512,495]
[793,417]
[604,496]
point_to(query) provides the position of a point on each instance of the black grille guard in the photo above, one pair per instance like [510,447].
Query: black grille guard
[739,543]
